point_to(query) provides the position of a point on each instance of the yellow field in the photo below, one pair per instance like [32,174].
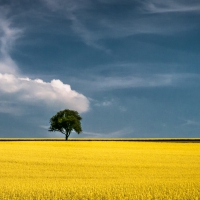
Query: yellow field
[99,170]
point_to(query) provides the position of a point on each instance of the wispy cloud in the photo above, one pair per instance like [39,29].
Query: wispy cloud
[75,11]
[191,123]
[115,134]
[93,25]
[104,103]
[139,81]
[157,6]
[8,36]
[88,36]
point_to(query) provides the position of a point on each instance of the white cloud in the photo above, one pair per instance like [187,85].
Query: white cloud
[54,94]
[17,89]
[105,103]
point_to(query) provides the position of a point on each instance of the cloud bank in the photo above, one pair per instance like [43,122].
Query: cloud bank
[54,94]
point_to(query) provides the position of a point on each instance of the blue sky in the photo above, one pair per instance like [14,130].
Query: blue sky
[130,68]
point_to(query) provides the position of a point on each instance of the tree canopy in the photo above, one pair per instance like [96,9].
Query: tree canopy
[65,121]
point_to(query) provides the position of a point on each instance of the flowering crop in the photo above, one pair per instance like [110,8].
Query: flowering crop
[99,170]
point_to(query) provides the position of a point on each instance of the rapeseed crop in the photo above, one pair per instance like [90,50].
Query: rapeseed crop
[99,170]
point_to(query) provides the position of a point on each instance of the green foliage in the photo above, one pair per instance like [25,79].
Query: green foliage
[65,121]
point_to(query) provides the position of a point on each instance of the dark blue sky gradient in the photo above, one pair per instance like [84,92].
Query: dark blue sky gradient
[136,63]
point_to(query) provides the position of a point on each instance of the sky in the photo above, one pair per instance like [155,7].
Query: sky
[130,68]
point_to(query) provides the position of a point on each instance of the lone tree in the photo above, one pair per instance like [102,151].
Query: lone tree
[65,121]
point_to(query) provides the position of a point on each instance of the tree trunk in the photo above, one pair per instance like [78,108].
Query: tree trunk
[67,133]
[66,136]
